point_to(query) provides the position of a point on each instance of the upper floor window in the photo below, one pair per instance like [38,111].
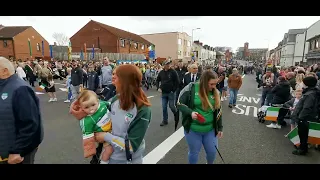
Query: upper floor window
[179,52]
[189,44]
[38,47]
[142,46]
[122,43]
[135,45]
[179,41]
[5,43]
[317,43]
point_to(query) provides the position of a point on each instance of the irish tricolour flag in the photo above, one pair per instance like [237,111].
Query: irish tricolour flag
[41,87]
[314,134]
[272,113]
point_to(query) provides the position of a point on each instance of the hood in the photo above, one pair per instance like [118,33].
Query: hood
[311,90]
[285,83]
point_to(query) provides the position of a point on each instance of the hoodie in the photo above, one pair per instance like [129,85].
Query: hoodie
[307,108]
[281,93]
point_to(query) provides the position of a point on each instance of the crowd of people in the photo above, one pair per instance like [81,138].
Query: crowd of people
[296,91]
[114,112]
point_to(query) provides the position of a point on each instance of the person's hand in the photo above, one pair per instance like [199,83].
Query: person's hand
[291,108]
[100,136]
[194,115]
[220,134]
[15,159]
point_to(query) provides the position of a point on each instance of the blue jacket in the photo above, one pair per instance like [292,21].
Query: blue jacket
[21,128]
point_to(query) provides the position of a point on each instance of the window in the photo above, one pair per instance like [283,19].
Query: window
[179,52]
[38,47]
[142,46]
[5,43]
[185,53]
[317,44]
[135,45]
[122,43]
[189,44]
[179,41]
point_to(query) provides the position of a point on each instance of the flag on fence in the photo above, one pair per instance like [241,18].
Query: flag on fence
[314,134]
[41,87]
[272,113]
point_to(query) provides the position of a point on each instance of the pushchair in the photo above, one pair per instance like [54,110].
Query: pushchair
[269,113]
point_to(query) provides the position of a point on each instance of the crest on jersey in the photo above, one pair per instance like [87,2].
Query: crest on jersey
[4,96]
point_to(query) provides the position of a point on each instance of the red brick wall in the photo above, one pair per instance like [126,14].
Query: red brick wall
[6,51]
[22,48]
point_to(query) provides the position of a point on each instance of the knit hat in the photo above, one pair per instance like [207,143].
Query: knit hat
[310,81]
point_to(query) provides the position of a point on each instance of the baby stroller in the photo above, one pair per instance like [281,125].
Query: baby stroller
[269,113]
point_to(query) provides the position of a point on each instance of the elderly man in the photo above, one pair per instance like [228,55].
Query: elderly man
[21,129]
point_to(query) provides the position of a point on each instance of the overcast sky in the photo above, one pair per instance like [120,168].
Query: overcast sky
[232,31]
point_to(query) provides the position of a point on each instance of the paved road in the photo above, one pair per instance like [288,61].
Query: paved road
[245,140]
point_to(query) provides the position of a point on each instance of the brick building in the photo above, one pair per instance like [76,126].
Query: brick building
[107,39]
[14,43]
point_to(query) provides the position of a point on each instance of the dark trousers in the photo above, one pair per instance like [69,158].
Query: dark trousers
[28,159]
[303,132]
[282,114]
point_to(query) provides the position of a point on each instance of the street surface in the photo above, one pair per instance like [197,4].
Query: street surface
[245,141]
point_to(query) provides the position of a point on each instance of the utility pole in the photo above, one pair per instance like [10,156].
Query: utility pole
[304,45]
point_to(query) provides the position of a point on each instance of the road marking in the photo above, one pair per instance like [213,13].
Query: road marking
[243,76]
[64,89]
[60,83]
[39,93]
[162,149]
[259,95]
[150,97]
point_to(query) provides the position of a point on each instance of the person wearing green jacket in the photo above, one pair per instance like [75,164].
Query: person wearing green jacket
[130,117]
[196,100]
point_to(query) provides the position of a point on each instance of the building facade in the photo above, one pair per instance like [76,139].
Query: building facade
[174,45]
[15,42]
[102,38]
[313,38]
[289,47]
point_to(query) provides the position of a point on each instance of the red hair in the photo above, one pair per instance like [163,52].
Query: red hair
[130,90]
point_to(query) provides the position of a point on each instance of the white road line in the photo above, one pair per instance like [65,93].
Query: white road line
[64,89]
[162,149]
[243,76]
[39,93]
[60,83]
[150,97]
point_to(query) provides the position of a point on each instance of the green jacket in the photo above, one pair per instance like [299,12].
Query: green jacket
[185,105]
[137,128]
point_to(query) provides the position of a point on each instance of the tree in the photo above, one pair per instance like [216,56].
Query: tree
[62,40]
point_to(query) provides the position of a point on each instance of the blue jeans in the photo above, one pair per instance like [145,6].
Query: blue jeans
[233,96]
[69,93]
[195,140]
[168,97]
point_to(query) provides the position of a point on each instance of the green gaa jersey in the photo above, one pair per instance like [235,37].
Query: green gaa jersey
[98,122]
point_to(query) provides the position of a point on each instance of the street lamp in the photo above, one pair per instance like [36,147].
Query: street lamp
[192,38]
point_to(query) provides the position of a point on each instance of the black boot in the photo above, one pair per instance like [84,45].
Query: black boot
[164,123]
[299,152]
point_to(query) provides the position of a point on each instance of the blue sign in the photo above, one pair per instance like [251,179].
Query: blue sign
[151,54]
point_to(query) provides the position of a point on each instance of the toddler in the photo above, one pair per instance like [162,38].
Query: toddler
[94,117]
[291,104]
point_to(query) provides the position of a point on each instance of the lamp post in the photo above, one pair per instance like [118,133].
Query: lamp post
[192,38]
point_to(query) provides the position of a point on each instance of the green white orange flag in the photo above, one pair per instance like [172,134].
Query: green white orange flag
[41,87]
[30,48]
[314,134]
[272,113]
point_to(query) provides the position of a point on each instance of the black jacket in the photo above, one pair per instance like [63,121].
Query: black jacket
[187,78]
[281,93]
[307,108]
[76,76]
[169,81]
[181,73]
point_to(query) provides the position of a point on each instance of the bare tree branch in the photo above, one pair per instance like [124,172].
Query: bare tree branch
[61,39]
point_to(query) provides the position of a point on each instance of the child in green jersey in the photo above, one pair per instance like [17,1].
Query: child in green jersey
[95,118]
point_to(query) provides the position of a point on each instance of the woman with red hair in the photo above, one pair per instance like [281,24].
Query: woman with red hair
[130,116]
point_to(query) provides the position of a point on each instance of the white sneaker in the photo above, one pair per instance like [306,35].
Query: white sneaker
[55,99]
[67,101]
[272,125]
[278,126]
[222,99]
[225,98]
[50,100]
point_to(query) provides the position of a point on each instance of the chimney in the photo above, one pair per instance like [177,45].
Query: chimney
[55,44]
[196,42]
[201,44]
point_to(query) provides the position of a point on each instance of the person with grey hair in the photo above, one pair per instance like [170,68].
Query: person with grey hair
[21,130]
